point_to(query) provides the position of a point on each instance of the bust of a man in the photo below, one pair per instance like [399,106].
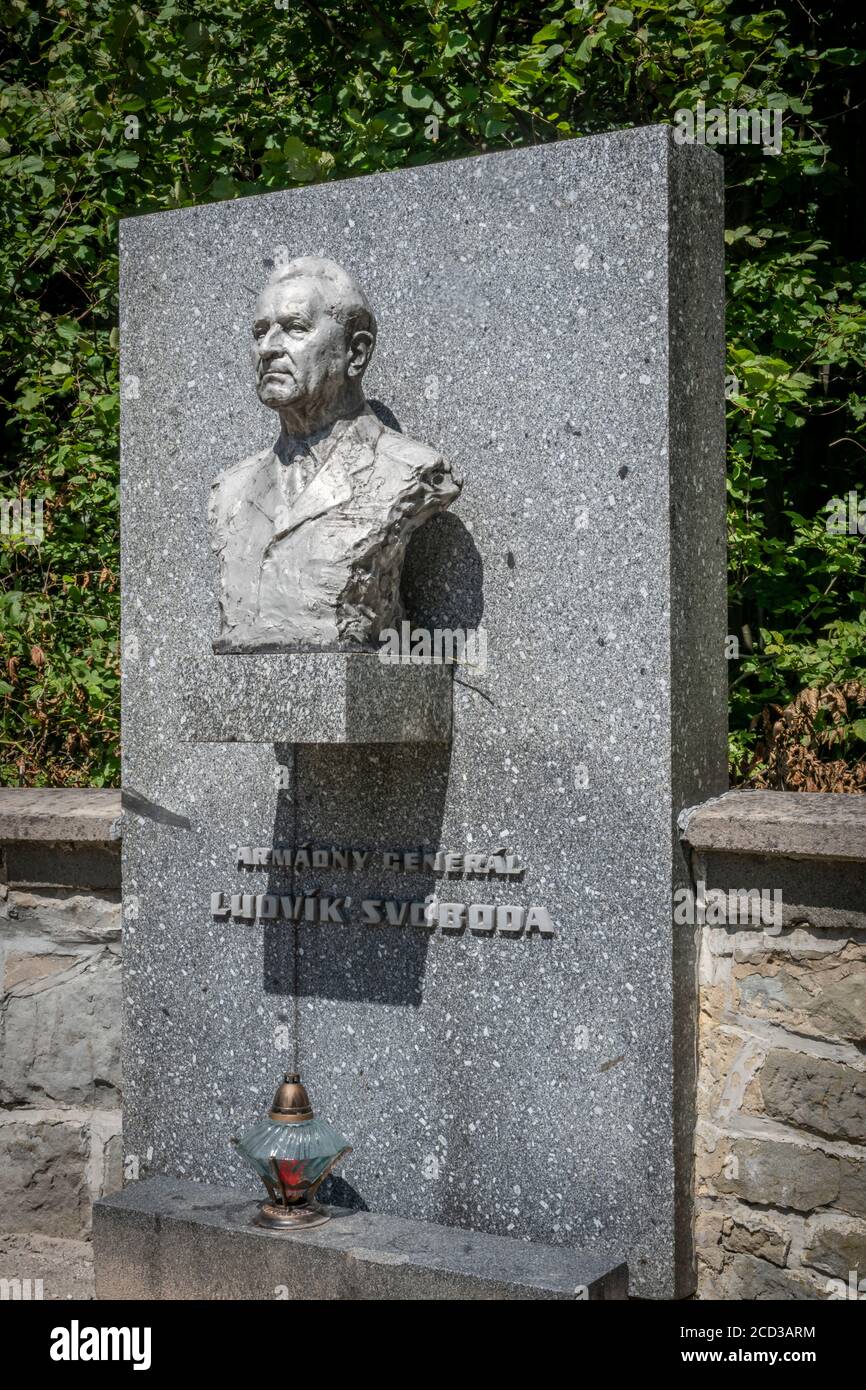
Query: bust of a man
[311,533]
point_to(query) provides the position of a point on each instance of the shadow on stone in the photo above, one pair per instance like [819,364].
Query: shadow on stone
[386,416]
[336,1192]
[443,573]
[388,797]
[443,576]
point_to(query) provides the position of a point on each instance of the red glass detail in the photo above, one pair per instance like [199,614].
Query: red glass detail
[292,1171]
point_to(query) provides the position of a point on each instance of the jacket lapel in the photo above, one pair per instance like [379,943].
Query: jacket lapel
[254,520]
[329,488]
[351,450]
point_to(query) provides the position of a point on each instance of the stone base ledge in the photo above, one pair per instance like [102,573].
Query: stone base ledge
[165,1239]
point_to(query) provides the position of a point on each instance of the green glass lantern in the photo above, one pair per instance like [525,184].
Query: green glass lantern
[292,1151]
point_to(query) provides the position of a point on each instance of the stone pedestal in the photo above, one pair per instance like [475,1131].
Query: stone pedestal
[313,697]
[164,1239]
[551,320]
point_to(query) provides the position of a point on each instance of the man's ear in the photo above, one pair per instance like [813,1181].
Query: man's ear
[360,352]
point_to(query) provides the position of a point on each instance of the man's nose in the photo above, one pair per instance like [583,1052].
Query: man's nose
[273,343]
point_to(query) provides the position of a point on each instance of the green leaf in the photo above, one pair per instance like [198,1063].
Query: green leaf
[845,57]
[419,98]
[223,187]
[550,31]
[456,42]
[301,161]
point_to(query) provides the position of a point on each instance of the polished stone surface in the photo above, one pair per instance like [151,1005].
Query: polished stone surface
[551,321]
[164,1239]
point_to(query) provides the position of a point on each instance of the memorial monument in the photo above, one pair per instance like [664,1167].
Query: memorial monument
[441,895]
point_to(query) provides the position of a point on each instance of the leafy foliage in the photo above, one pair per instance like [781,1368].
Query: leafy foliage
[108,108]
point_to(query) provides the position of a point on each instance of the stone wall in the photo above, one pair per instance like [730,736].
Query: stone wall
[60,1141]
[780,1180]
[780,1161]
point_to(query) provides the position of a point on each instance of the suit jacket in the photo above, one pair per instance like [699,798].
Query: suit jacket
[323,568]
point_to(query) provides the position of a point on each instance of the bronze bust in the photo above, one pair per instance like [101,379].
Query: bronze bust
[311,534]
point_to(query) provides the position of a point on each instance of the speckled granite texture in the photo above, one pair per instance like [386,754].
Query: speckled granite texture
[552,320]
[313,697]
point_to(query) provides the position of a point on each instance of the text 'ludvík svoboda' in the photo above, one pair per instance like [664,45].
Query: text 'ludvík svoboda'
[430,913]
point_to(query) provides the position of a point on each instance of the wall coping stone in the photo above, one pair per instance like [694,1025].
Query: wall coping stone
[67,814]
[801,825]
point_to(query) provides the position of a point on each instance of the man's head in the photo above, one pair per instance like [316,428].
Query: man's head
[314,335]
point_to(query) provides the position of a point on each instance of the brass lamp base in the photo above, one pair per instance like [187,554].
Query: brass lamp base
[300,1216]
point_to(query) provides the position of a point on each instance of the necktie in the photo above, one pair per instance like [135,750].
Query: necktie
[297,473]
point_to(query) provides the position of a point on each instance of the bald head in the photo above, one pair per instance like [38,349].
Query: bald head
[315,333]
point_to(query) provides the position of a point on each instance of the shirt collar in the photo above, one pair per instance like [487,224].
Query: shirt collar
[322,443]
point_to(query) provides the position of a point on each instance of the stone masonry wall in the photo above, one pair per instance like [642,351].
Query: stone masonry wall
[60,1119]
[780,1148]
